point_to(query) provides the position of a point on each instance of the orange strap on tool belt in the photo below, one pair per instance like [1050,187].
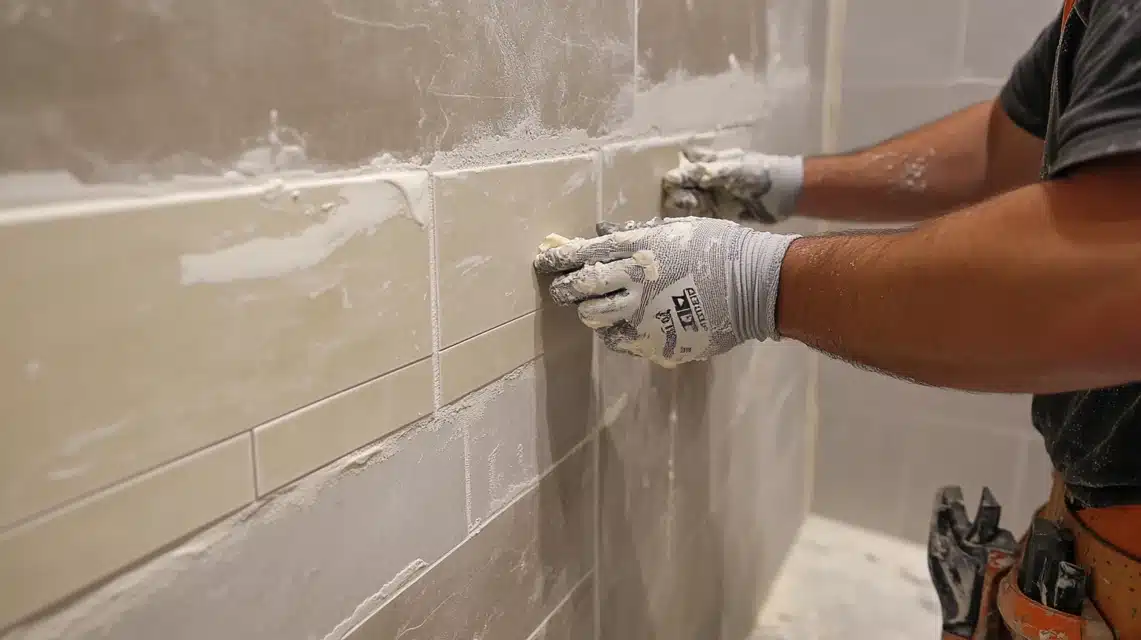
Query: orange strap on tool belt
[1107,542]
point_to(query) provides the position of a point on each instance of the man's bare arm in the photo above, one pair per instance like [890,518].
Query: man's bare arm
[1037,290]
[957,161]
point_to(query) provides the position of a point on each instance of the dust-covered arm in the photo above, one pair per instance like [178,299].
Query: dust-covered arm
[956,161]
[1037,290]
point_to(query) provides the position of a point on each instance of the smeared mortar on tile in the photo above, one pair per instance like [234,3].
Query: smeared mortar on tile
[95,614]
[362,206]
[471,409]
[406,576]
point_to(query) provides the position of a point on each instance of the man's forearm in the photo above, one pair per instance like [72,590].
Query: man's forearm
[1037,290]
[953,162]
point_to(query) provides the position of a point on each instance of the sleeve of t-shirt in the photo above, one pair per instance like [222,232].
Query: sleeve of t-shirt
[1103,116]
[1026,96]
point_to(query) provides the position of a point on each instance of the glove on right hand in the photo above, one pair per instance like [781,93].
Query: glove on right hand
[733,184]
[672,290]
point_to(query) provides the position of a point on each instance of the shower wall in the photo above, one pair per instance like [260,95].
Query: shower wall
[276,365]
[884,446]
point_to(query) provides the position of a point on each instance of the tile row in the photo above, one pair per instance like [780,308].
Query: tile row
[173,324]
[290,322]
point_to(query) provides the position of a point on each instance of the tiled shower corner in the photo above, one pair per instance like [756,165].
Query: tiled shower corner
[278,367]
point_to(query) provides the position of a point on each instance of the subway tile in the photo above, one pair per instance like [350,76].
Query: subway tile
[632,176]
[490,223]
[903,42]
[54,556]
[674,35]
[634,467]
[632,607]
[938,455]
[123,102]
[338,541]
[999,33]
[216,312]
[574,619]
[477,361]
[529,422]
[300,442]
[506,579]
[675,596]
[704,405]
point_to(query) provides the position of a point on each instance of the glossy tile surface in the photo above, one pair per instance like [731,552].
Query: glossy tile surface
[50,558]
[172,325]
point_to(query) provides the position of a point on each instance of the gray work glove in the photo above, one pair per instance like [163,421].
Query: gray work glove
[672,290]
[733,184]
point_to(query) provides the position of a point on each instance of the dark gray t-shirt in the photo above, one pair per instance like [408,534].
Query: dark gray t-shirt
[1079,88]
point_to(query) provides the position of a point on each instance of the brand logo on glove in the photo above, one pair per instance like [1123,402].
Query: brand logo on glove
[667,319]
[690,313]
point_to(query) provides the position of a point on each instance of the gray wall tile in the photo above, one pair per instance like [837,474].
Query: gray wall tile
[882,397]
[1000,31]
[869,115]
[894,42]
[939,455]
[530,422]
[858,474]
[505,580]
[328,542]
[574,619]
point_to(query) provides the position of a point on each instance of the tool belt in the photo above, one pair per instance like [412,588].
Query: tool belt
[1075,575]
[1107,544]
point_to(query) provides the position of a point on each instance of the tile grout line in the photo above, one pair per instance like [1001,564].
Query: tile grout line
[559,607]
[471,533]
[95,494]
[254,466]
[153,469]
[434,294]
[437,365]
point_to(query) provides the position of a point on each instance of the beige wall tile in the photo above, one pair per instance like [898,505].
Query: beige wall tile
[632,176]
[300,442]
[47,559]
[490,224]
[156,328]
[477,361]
[532,420]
